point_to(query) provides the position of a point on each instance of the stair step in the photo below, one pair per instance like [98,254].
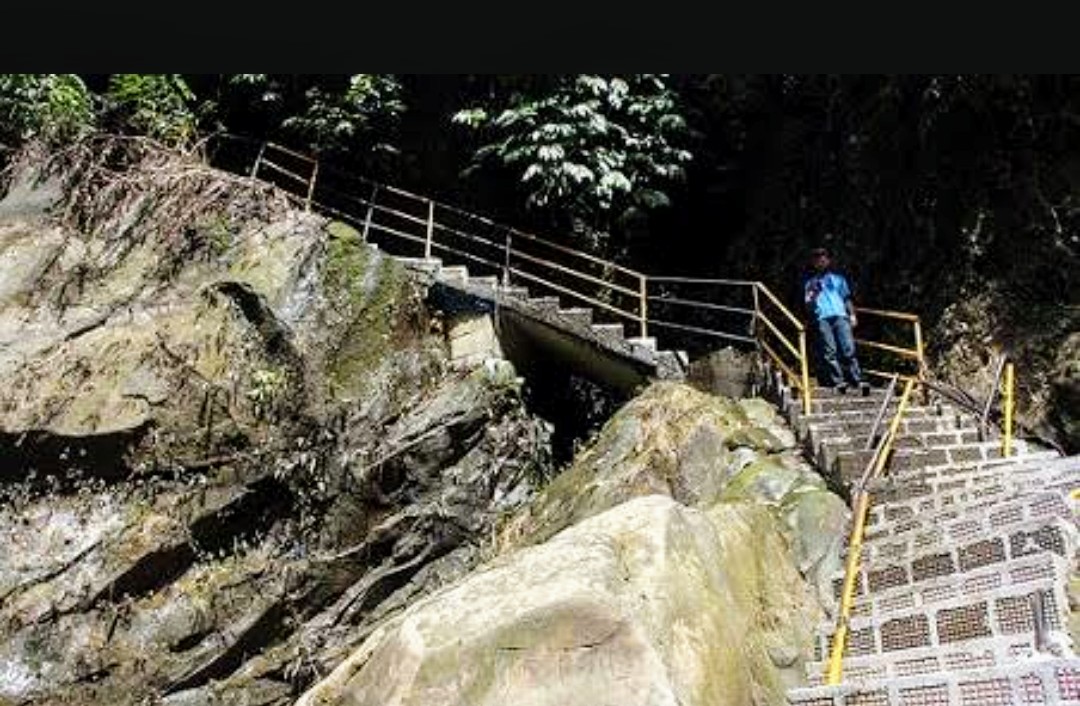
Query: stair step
[454,273]
[1035,681]
[610,331]
[430,265]
[550,304]
[891,590]
[976,534]
[996,487]
[513,292]
[906,461]
[1000,613]
[834,444]
[647,342]
[860,427]
[577,314]
[484,282]
[960,522]
[906,486]
[1052,534]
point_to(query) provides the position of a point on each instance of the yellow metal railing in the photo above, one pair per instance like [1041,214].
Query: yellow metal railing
[1009,403]
[914,353]
[438,229]
[834,668]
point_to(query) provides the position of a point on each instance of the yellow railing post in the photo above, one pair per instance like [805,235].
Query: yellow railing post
[851,573]
[805,372]
[1006,443]
[643,306]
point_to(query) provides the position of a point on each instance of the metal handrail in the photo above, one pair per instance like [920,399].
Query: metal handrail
[875,467]
[881,412]
[798,374]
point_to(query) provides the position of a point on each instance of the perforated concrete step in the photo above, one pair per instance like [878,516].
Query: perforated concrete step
[1028,538]
[992,614]
[512,292]
[830,446]
[941,431]
[802,423]
[577,314]
[647,342]
[457,274]
[430,265]
[850,465]
[891,590]
[973,655]
[992,487]
[926,661]
[610,331]
[545,303]
[483,282]
[961,522]
[979,532]
[1022,683]
[896,486]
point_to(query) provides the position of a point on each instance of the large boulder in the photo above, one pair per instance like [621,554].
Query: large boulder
[697,448]
[650,602]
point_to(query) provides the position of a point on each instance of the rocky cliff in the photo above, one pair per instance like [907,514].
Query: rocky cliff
[240,465]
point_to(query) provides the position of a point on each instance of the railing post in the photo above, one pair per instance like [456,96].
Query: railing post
[370,211]
[430,228]
[805,372]
[851,573]
[258,161]
[757,313]
[921,361]
[311,186]
[506,259]
[643,304]
[1006,447]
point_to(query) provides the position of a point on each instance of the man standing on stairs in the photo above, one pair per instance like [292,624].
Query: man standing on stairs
[828,301]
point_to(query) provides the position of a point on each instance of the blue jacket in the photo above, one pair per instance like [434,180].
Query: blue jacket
[826,294]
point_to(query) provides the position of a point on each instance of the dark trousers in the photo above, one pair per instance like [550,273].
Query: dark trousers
[836,344]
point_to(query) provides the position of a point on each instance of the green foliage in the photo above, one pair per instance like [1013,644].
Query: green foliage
[336,121]
[157,105]
[341,115]
[593,147]
[54,107]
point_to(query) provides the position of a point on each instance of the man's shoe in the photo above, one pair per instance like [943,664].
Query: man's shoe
[841,389]
[864,388]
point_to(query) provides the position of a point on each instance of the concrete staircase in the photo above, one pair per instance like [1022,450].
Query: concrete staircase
[573,321]
[962,594]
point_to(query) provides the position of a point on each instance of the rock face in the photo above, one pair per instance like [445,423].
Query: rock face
[699,449]
[680,560]
[650,602]
[231,436]
[242,452]
[1065,392]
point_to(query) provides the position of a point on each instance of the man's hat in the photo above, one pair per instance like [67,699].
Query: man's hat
[817,252]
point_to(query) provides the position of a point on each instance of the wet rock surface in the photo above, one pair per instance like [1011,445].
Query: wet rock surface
[230,433]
